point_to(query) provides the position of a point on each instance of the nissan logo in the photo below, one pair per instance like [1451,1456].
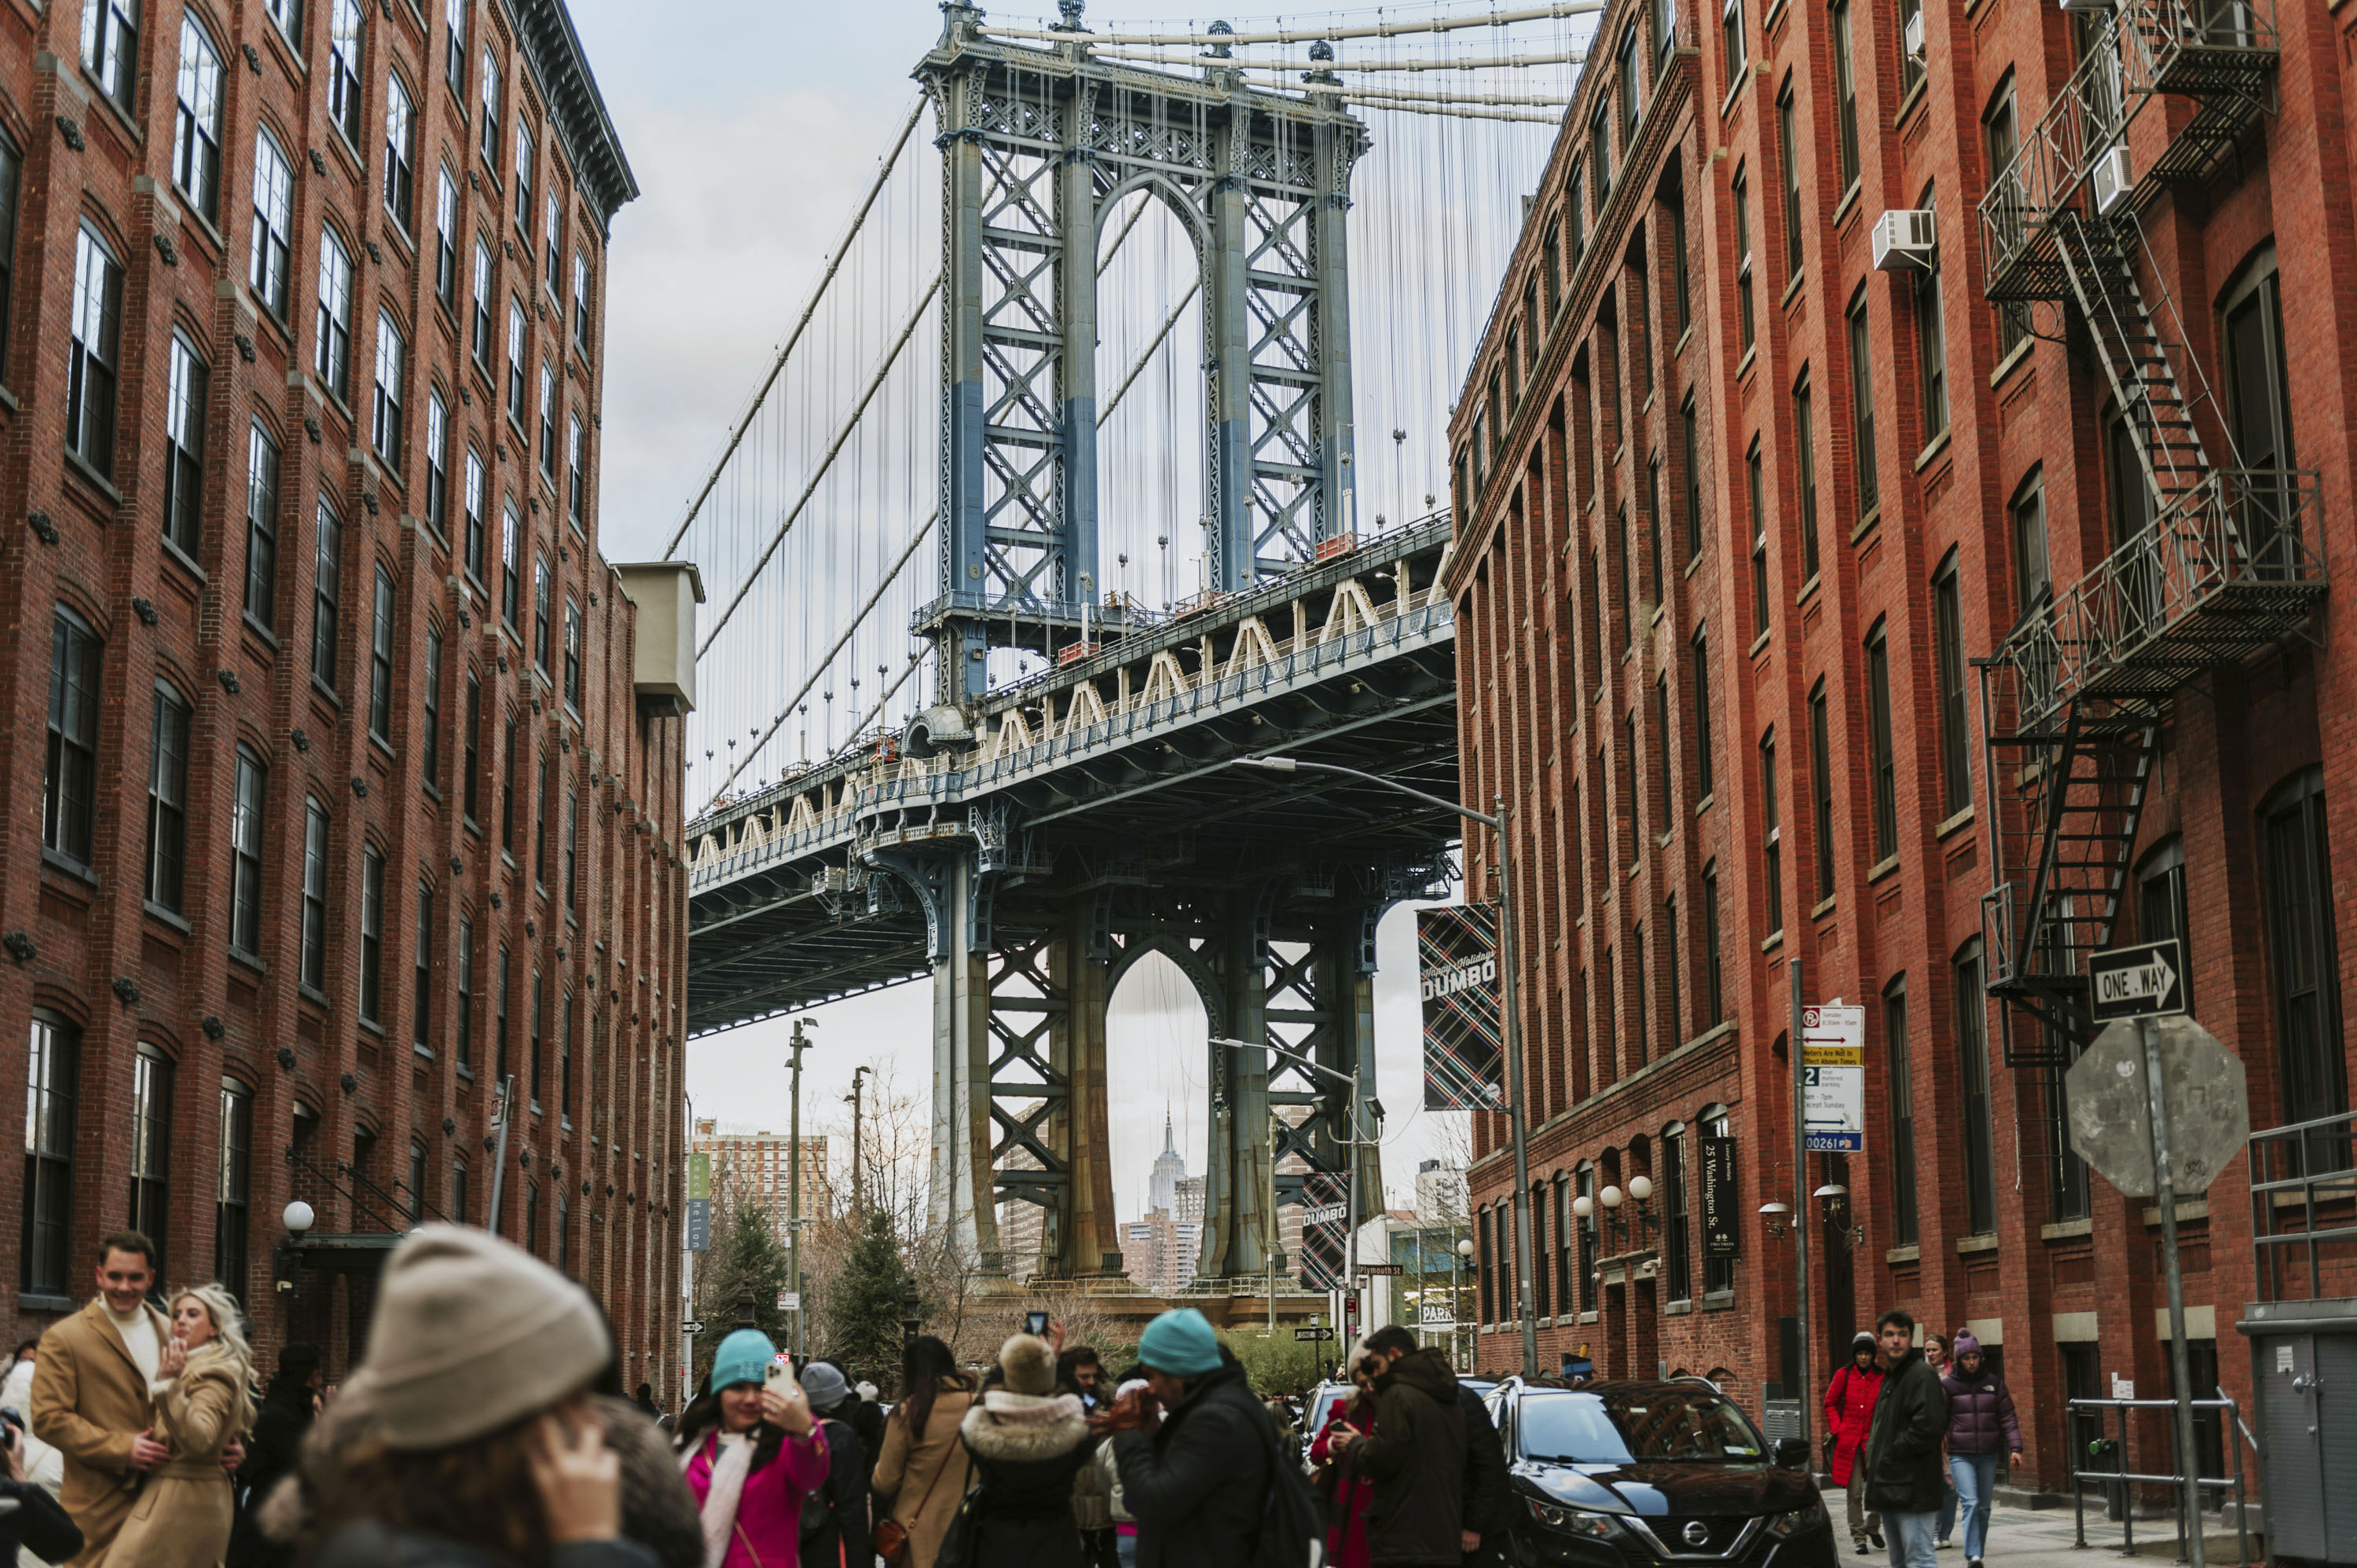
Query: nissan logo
[1696,1532]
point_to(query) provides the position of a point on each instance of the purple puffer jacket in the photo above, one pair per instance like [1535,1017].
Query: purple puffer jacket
[1980,1410]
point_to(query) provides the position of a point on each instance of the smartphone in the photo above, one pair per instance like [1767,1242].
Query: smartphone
[1036,1324]
[781,1375]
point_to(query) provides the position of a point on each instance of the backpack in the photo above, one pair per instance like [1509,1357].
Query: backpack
[1293,1522]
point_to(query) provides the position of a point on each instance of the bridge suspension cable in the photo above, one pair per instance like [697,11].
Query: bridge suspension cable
[834,265]
[1437,62]
[1385,97]
[1526,116]
[1554,12]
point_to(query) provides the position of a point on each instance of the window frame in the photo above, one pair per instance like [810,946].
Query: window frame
[94,348]
[197,126]
[109,50]
[385,410]
[346,59]
[371,932]
[186,379]
[270,254]
[171,718]
[331,358]
[313,960]
[326,593]
[53,1070]
[249,808]
[383,610]
[70,780]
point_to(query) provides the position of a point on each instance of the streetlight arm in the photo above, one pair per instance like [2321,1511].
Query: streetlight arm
[1295,1057]
[1295,764]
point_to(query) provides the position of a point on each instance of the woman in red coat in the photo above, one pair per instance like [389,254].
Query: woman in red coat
[1849,1411]
[1338,1476]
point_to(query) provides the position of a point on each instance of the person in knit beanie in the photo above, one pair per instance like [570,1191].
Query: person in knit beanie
[467,1438]
[1346,1487]
[752,1453]
[1029,1441]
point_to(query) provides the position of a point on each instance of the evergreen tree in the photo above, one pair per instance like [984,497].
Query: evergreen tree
[746,1260]
[864,1307]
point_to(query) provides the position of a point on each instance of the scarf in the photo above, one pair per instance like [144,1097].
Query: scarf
[731,1461]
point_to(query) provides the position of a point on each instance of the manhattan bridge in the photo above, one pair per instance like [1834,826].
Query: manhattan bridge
[1062,460]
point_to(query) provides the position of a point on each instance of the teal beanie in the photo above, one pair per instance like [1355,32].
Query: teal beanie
[743,1357]
[1181,1344]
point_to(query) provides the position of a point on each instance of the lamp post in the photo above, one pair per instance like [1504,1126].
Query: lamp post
[1507,966]
[1464,1255]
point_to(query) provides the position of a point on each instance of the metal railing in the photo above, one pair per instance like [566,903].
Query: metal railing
[2302,1170]
[2117,1480]
[2226,570]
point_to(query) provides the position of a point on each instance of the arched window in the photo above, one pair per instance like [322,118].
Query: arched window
[196,119]
[151,1149]
[52,1066]
[2303,960]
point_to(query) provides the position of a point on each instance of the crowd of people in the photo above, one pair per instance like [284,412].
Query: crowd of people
[485,1428]
[1893,1414]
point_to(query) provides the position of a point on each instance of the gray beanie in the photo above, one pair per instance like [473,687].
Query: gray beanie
[825,1386]
[471,1335]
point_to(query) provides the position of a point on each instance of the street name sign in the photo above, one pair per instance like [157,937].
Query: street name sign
[1387,1269]
[2143,981]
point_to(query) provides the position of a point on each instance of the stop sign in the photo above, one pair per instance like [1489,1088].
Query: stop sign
[2208,1105]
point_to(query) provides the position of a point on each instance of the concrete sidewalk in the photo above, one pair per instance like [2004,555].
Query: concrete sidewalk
[2045,1538]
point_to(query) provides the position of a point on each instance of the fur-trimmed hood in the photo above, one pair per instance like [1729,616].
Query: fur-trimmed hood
[1010,1428]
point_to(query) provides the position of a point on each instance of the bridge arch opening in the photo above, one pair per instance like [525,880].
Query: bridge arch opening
[1151,392]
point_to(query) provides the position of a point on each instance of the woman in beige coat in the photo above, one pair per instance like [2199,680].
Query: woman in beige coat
[924,1470]
[200,1399]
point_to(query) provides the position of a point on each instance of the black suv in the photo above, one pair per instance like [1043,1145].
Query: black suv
[1654,1475]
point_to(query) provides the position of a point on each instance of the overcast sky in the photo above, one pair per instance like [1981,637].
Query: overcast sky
[753,128]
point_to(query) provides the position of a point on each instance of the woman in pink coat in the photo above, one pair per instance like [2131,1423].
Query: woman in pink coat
[1849,1411]
[750,1453]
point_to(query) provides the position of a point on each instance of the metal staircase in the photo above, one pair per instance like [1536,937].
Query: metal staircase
[2073,700]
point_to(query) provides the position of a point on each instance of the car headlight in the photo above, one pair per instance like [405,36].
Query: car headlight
[1810,1514]
[1574,1522]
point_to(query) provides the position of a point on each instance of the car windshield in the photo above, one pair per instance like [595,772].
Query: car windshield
[1619,1427]
[1322,1403]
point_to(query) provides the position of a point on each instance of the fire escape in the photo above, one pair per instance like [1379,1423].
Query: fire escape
[2227,563]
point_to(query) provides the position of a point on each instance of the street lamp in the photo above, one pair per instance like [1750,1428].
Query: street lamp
[1456,1297]
[1508,965]
[1349,1197]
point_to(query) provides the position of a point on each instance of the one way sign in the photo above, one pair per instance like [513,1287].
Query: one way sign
[2141,981]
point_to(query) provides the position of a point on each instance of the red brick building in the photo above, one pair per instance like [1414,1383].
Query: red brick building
[1747,489]
[343,771]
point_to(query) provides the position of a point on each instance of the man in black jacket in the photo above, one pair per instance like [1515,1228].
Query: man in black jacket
[1198,1482]
[1415,1458]
[1901,1465]
[1488,1504]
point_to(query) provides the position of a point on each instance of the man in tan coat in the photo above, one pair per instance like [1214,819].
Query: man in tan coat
[91,1397]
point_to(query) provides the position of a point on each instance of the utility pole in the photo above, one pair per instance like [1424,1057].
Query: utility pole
[794,1187]
[1802,1201]
[858,1205]
[2164,1175]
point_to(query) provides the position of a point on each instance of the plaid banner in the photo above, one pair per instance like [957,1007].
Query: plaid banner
[1456,956]
[1324,1216]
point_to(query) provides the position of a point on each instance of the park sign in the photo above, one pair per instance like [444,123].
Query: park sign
[2110,1108]
[1833,1085]
[2144,981]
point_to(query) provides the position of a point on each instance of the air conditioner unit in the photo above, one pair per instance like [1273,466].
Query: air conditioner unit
[1903,240]
[1912,37]
[2112,178]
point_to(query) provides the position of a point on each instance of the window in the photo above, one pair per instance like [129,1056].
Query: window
[288,14]
[2161,908]
[391,355]
[1690,459]
[1931,346]
[454,45]
[315,895]
[333,355]
[499,1013]
[2302,956]
[540,819]
[565,1061]
[1628,592]
[458,1205]
[1633,86]
[572,652]
[437,463]
[1641,999]
[2033,578]
[563,1234]
[1804,444]
[12,169]
[268,261]
[510,570]
[1730,31]
[232,1203]
[1665,24]
[532,1219]
[151,1148]
[1903,1218]
[1680,278]
[1591,1297]
[481,338]
[1565,1225]
[1661,747]
[1771,844]
[245,853]
[416,1181]
[547,421]
[469,788]
[1861,392]
[1575,213]
[569,889]
[196,120]
[1788,157]
[400,172]
[1911,66]
[508,790]
[184,447]
[1657,581]
[474,503]
[429,747]
[490,137]
[1744,317]
[2012,317]
[91,359]
[326,596]
[380,660]
[1883,756]
[1487,1273]
[1973,1081]
[517,366]
[1703,782]
[462,1035]
[581,300]
[69,786]
[1599,153]
[1846,93]
[1713,995]
[552,245]
[577,476]
[372,935]
[1948,627]
[2259,402]
[445,237]
[44,1263]
[523,165]
[344,69]
[1753,490]
[1678,1248]
[532,1023]
[421,1001]
[540,610]
[167,799]
[1540,1304]
[262,527]
[110,49]
[1821,786]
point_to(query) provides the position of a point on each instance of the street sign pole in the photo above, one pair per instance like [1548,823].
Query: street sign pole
[2180,1365]
[1801,1200]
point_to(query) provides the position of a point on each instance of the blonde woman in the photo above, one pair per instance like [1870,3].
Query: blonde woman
[200,1400]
